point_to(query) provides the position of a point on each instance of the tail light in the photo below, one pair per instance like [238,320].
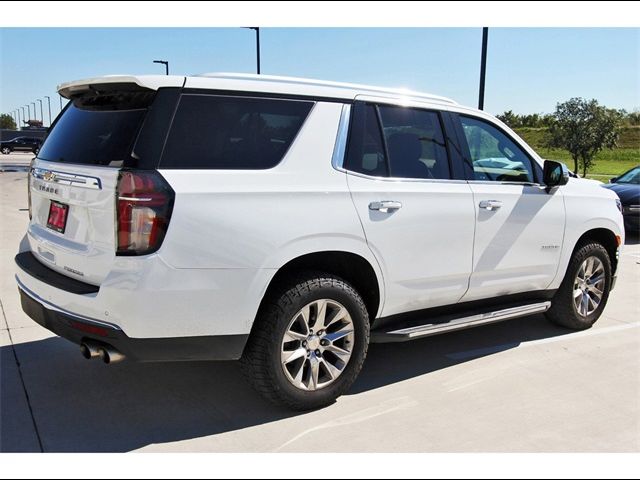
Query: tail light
[144,205]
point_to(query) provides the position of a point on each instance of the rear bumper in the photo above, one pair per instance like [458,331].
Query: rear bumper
[78,329]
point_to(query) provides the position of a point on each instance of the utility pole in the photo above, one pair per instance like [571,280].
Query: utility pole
[257,30]
[165,63]
[483,67]
[49,104]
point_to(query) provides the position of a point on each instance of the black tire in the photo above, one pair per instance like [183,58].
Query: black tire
[261,363]
[6,150]
[563,310]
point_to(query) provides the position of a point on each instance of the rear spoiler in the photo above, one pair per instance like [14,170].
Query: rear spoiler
[73,89]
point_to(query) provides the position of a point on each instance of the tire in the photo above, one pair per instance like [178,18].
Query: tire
[263,361]
[564,311]
[5,150]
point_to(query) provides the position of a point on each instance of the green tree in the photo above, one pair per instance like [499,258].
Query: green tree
[6,121]
[583,127]
[510,118]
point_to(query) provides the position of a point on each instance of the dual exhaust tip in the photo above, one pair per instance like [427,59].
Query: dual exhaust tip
[106,353]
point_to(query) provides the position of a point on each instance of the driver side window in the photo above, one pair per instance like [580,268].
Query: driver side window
[494,156]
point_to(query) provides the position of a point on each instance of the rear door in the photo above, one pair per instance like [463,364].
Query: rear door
[418,219]
[73,181]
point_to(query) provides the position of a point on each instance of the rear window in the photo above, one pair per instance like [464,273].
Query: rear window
[97,130]
[221,132]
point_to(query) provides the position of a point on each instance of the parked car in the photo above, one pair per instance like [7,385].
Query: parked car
[289,222]
[21,144]
[627,186]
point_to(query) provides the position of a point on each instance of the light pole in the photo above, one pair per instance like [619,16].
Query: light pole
[60,102]
[41,114]
[24,119]
[18,112]
[35,115]
[483,66]
[28,111]
[49,104]
[165,63]
[257,30]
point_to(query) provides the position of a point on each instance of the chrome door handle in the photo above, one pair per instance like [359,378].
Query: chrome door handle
[385,206]
[490,205]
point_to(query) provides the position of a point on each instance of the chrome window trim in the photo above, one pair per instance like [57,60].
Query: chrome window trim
[340,147]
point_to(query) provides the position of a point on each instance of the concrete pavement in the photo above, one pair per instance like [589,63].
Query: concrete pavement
[519,386]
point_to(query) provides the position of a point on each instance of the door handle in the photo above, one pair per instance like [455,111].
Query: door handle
[490,205]
[385,206]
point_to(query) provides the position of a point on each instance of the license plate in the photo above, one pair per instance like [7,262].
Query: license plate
[57,216]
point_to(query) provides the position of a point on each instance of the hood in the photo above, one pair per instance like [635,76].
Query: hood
[627,192]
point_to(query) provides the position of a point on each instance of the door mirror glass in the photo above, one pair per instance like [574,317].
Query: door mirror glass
[555,173]
[613,180]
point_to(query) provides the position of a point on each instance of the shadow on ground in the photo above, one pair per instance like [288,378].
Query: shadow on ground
[83,406]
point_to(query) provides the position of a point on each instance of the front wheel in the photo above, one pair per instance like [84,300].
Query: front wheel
[584,292]
[309,342]
[5,150]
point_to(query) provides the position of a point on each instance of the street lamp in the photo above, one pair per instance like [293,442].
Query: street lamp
[49,104]
[257,30]
[28,111]
[165,63]
[41,114]
[60,102]
[483,67]
[35,115]
[18,112]
[24,119]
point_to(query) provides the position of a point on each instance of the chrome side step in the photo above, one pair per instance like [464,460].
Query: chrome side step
[429,329]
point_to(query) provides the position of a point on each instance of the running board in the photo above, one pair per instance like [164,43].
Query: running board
[434,328]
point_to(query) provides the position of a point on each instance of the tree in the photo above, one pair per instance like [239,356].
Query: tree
[584,128]
[510,118]
[6,121]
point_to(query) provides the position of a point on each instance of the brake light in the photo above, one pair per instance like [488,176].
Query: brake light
[144,205]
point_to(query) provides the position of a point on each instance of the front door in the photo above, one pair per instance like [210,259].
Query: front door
[519,226]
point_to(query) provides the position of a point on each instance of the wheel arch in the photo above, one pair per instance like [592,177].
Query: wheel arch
[351,267]
[604,236]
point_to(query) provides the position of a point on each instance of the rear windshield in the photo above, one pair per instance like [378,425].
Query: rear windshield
[220,132]
[98,130]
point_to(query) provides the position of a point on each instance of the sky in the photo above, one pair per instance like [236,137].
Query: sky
[529,70]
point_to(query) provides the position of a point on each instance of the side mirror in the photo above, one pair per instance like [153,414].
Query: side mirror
[613,180]
[555,174]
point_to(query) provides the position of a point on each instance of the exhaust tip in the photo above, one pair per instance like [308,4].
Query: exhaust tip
[110,355]
[89,350]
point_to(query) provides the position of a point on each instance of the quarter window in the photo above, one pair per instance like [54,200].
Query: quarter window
[495,157]
[218,132]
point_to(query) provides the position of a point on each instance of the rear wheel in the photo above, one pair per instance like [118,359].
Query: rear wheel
[5,150]
[584,291]
[309,342]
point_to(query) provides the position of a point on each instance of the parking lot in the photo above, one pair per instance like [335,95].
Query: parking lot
[519,386]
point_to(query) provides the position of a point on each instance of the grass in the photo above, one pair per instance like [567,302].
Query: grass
[607,164]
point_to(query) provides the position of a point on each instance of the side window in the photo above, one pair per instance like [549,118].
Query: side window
[365,153]
[225,132]
[415,143]
[495,157]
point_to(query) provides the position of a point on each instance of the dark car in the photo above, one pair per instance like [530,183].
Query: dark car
[21,144]
[627,186]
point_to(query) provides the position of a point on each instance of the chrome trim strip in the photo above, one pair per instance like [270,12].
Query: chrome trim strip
[472,321]
[339,150]
[64,178]
[50,306]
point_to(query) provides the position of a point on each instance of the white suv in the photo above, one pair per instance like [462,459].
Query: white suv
[289,222]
